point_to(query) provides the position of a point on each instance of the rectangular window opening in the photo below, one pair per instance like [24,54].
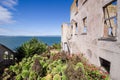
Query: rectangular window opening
[76,31]
[110,19]
[84,26]
[76,3]
[71,30]
[106,64]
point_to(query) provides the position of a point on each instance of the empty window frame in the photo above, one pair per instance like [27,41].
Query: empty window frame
[106,64]
[110,19]
[76,3]
[6,55]
[85,25]
[76,28]
[11,56]
[71,30]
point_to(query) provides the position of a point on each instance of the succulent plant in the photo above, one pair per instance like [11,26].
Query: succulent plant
[19,77]
[25,74]
[57,77]
[58,67]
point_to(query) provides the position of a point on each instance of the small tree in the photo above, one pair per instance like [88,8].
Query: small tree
[30,48]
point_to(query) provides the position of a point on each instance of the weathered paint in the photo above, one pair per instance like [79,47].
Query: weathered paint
[90,43]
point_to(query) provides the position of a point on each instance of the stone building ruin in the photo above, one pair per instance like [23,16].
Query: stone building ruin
[94,30]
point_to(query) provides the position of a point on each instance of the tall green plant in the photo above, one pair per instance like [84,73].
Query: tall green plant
[30,48]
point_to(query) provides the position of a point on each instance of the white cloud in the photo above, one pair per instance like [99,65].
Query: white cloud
[5,16]
[9,3]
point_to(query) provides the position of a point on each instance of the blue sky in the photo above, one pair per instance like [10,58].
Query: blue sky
[33,17]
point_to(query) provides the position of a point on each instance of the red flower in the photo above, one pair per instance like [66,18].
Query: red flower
[103,76]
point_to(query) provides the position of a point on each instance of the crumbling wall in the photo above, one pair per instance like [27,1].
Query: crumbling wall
[93,44]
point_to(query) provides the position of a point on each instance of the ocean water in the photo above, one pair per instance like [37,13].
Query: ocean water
[13,42]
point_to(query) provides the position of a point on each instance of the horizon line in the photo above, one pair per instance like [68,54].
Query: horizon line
[32,35]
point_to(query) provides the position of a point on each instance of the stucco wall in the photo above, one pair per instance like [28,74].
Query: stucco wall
[89,44]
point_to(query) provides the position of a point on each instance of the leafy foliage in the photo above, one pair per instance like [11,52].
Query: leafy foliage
[30,48]
[43,68]
[56,46]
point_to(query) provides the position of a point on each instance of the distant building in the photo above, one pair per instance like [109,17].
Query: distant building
[94,30]
[6,53]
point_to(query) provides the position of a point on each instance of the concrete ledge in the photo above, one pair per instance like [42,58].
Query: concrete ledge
[107,39]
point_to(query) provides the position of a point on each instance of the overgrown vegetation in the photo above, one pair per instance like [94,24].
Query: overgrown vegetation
[53,66]
[56,46]
[58,67]
[30,48]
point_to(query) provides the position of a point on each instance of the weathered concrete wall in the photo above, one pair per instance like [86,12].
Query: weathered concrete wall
[89,44]
[65,32]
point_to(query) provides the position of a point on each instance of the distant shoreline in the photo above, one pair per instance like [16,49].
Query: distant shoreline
[13,42]
[30,36]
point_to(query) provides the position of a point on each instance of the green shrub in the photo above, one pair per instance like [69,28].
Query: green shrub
[30,48]
[25,74]
[56,46]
